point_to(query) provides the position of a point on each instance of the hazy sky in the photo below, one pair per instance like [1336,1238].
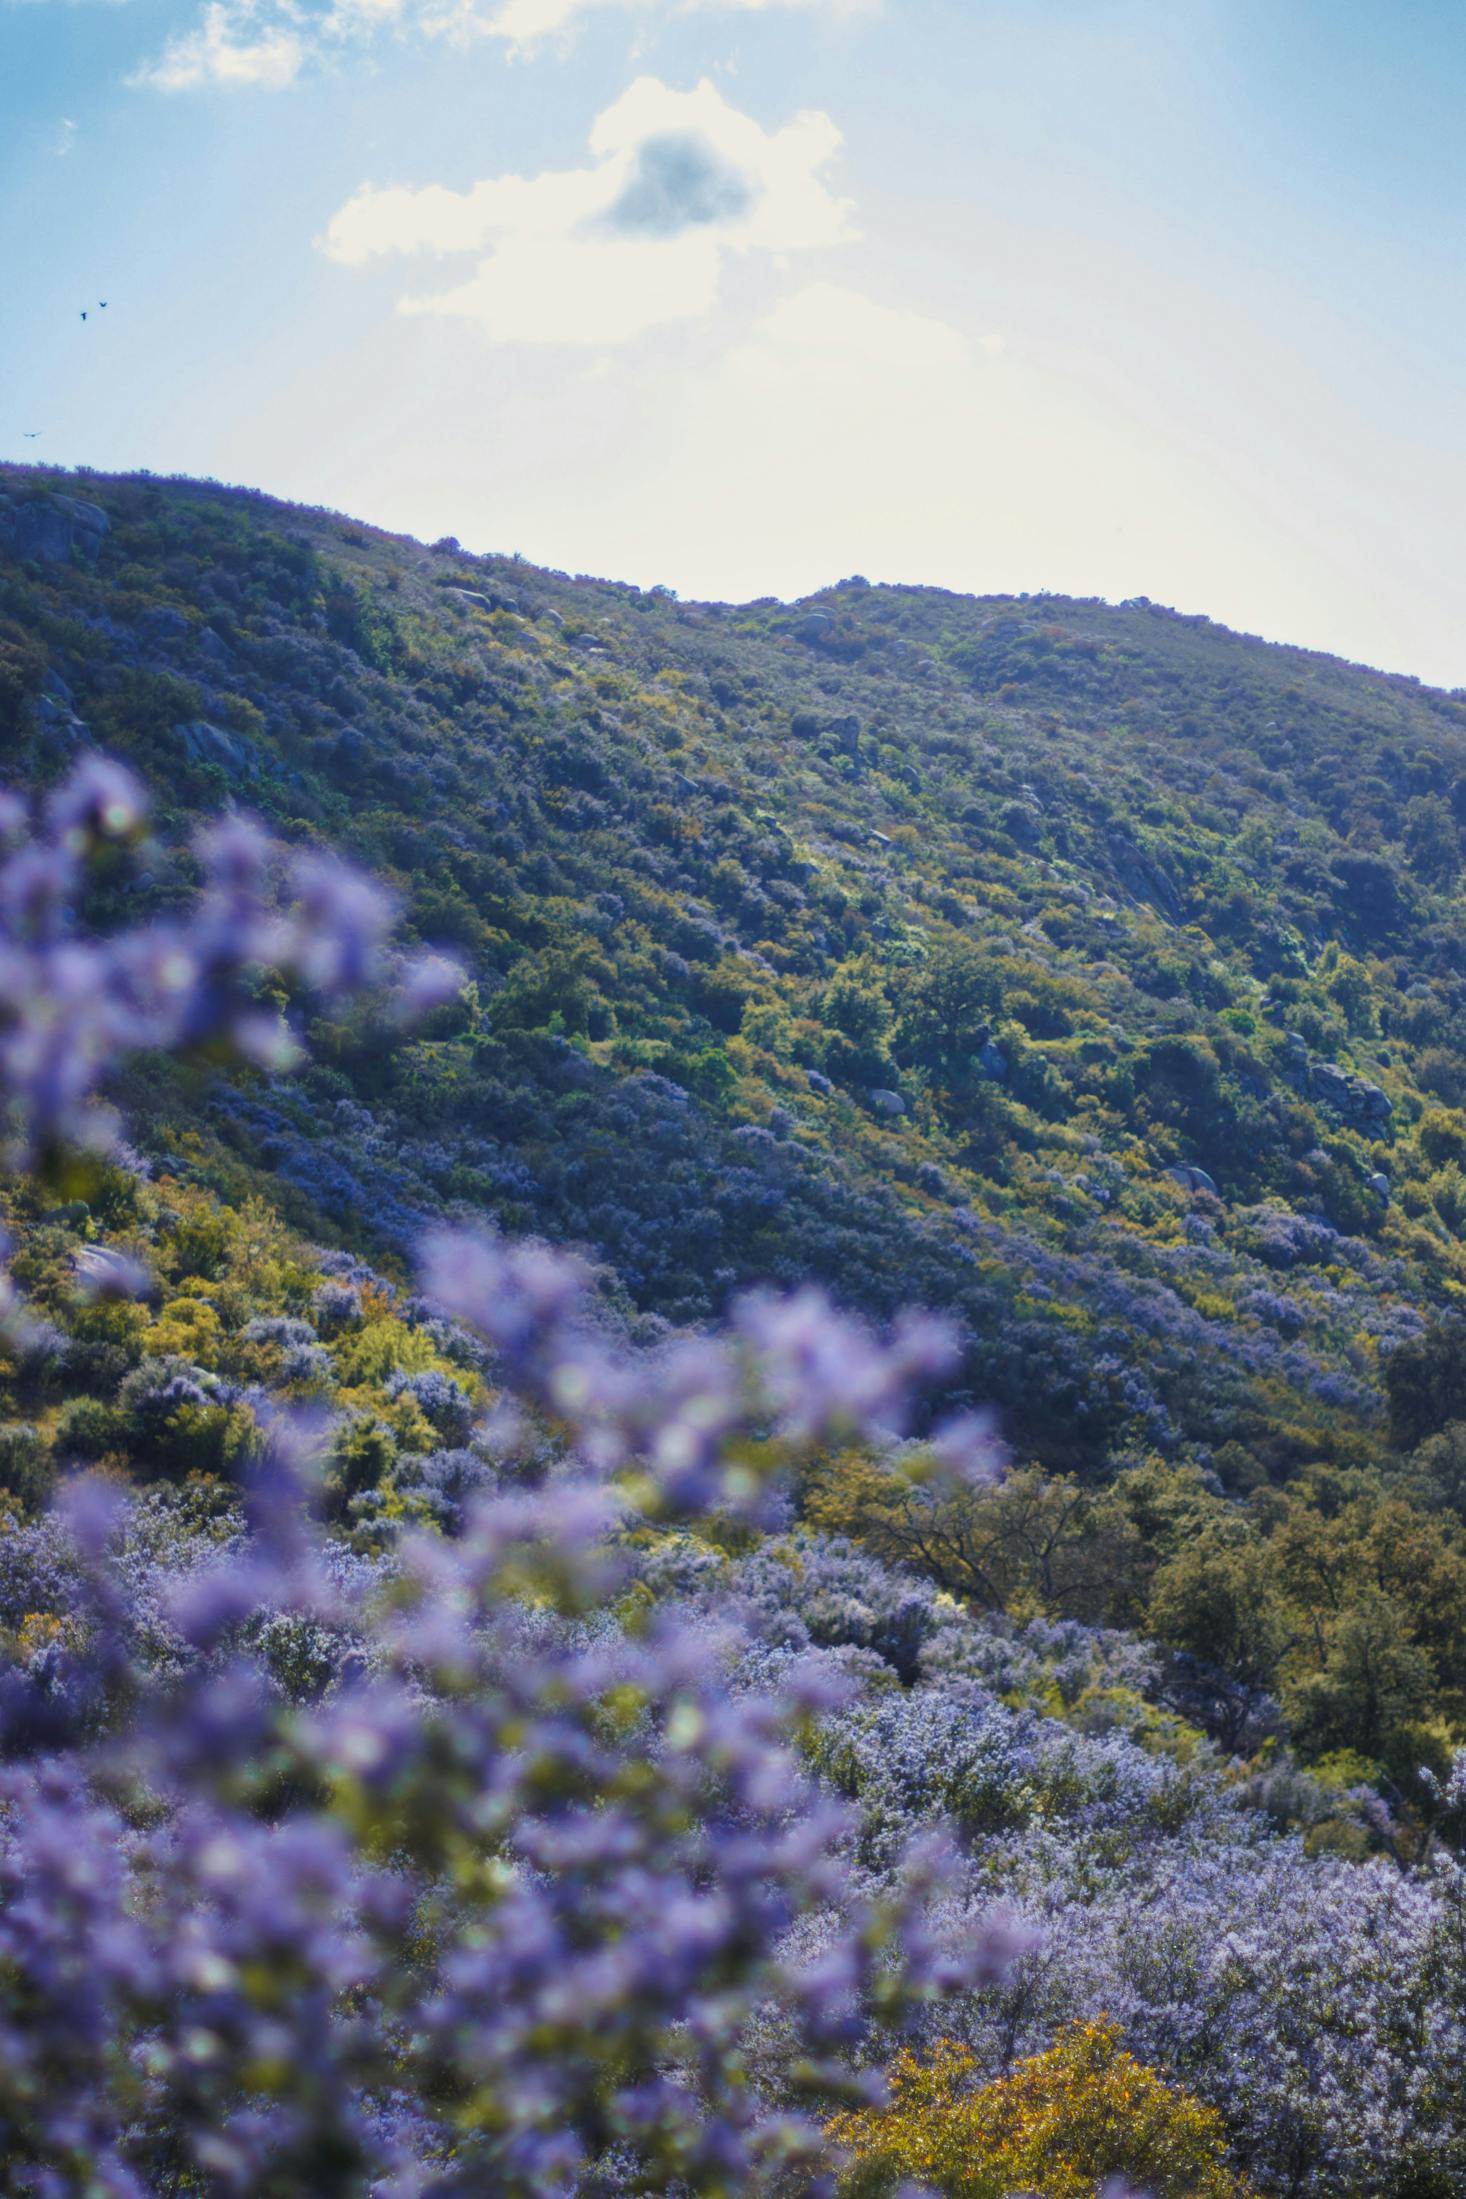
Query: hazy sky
[1110,297]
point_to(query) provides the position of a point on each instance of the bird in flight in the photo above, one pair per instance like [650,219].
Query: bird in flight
[102,303]
[83,313]
[30,434]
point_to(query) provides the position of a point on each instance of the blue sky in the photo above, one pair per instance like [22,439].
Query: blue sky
[1109,297]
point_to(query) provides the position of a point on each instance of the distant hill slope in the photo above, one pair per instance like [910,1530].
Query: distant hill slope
[1090,971]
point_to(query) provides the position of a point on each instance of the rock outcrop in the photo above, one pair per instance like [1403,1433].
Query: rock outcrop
[56,715]
[51,529]
[211,744]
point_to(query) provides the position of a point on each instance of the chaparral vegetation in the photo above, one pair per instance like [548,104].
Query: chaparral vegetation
[525,1666]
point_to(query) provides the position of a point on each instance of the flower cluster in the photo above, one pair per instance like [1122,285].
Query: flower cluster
[314,1883]
[73,1007]
[498,1898]
[315,1879]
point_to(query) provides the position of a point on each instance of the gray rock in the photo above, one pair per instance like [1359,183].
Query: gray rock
[51,529]
[1192,1179]
[991,1060]
[1143,879]
[1357,1102]
[1295,1059]
[818,1081]
[815,627]
[886,1103]
[1379,1184]
[480,599]
[56,715]
[211,744]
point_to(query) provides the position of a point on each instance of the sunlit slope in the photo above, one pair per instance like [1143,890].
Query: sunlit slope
[1092,972]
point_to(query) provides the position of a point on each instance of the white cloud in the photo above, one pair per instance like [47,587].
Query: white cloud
[65,137]
[676,183]
[234,46]
[263,45]
[525,22]
[564,292]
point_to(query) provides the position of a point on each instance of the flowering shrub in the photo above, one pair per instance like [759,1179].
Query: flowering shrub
[498,1888]
[73,1007]
[319,1878]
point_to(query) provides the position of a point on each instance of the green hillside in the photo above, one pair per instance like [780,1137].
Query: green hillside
[1089,972]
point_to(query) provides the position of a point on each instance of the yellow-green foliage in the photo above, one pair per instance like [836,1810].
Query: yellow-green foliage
[1057,2127]
[1030,1544]
[382,1346]
[187,1327]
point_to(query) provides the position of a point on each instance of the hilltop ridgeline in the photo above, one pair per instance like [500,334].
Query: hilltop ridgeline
[1089,971]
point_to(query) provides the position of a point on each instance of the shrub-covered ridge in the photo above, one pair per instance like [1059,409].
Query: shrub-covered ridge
[944,949]
[1180,1694]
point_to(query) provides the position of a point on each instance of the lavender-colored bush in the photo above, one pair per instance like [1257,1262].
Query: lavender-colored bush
[73,1006]
[453,1875]
[494,1894]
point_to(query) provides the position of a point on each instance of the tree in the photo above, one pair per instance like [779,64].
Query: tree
[558,989]
[857,1015]
[1033,1542]
[1061,2125]
[1373,1681]
[1438,1470]
[1218,1602]
[1425,1381]
[1430,839]
[946,1012]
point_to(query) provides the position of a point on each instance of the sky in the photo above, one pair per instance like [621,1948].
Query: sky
[1102,297]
